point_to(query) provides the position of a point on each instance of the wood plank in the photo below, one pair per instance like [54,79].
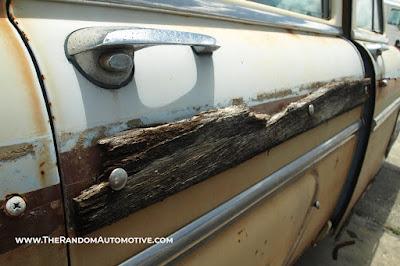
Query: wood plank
[165,159]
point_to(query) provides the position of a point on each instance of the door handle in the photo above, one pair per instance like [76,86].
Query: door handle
[104,55]
[376,49]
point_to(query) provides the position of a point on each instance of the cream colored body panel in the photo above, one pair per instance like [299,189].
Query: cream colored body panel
[373,160]
[266,235]
[255,64]
[242,68]
[186,206]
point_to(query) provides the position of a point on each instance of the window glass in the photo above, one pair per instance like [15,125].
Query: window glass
[394,17]
[313,8]
[364,14]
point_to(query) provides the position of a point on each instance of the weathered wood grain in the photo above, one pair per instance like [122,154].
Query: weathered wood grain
[165,159]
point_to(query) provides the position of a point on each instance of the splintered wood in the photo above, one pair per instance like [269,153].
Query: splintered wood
[165,159]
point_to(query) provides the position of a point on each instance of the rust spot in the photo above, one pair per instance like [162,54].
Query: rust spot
[79,168]
[13,152]
[42,77]
[23,66]
[24,36]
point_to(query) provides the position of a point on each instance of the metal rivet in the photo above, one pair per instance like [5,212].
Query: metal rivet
[317,205]
[15,206]
[118,178]
[383,83]
[118,62]
[311,109]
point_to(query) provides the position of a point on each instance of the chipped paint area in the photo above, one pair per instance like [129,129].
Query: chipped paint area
[14,152]
[273,95]
[87,138]
[27,167]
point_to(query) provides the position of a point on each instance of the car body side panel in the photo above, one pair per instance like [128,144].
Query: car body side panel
[244,70]
[386,109]
[28,165]
[189,204]
[279,218]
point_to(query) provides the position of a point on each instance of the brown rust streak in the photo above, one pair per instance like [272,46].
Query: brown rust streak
[12,152]
[23,62]
[44,216]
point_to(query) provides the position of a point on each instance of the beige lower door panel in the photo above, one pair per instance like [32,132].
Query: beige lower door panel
[375,155]
[268,233]
[330,177]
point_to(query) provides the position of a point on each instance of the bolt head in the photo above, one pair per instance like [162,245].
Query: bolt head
[311,109]
[118,178]
[119,62]
[15,206]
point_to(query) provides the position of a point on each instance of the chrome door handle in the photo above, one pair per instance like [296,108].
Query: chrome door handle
[376,49]
[105,54]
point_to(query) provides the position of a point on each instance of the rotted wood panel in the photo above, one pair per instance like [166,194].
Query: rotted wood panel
[165,159]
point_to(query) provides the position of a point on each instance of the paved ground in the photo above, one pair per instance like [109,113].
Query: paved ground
[374,226]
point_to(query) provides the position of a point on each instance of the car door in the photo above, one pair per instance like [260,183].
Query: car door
[368,32]
[166,62]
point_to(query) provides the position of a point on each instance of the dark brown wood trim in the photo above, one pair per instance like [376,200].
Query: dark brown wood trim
[165,159]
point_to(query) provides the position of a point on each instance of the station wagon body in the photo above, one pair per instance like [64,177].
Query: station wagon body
[244,130]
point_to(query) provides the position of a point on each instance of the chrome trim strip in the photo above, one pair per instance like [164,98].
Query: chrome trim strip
[197,231]
[221,9]
[382,116]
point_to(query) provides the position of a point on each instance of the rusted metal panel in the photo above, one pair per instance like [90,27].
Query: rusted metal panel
[44,216]
[28,165]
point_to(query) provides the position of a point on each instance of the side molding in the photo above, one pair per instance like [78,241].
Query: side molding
[197,231]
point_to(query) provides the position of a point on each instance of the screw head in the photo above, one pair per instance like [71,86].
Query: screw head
[317,204]
[311,109]
[15,206]
[118,178]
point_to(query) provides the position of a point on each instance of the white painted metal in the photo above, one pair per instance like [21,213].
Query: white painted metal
[171,82]
[26,143]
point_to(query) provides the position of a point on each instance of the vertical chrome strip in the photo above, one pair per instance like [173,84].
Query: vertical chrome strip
[197,231]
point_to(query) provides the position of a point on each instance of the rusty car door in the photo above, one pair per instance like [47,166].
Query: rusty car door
[31,203]
[233,119]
